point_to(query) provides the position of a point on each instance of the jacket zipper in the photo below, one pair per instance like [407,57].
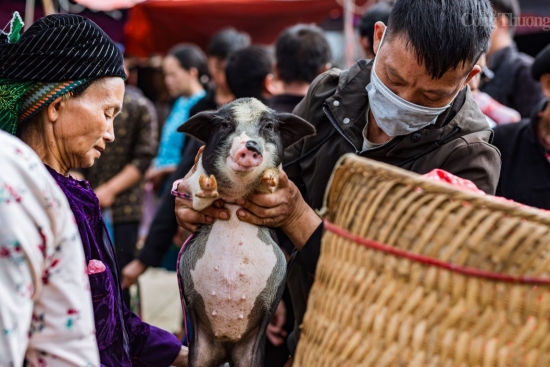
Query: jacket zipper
[334,123]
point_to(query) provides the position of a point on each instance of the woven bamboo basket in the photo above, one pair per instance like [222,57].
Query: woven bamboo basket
[418,273]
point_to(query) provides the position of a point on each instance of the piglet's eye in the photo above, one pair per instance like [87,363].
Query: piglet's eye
[224,125]
[269,126]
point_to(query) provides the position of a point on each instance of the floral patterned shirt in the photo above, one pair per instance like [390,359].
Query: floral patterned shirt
[46,316]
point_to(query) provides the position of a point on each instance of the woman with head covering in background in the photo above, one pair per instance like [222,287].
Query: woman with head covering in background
[185,75]
[61,85]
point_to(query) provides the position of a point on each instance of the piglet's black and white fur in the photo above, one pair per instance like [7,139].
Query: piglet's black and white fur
[233,272]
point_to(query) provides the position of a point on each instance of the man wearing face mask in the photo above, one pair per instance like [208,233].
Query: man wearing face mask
[410,107]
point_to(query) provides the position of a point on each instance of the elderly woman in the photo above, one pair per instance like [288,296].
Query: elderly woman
[61,86]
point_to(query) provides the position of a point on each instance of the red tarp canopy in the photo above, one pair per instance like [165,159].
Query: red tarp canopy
[155,26]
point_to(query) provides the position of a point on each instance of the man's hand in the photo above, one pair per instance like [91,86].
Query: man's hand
[285,208]
[182,358]
[131,272]
[106,196]
[275,332]
[276,209]
[190,219]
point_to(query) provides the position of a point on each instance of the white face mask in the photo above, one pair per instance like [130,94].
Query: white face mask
[394,115]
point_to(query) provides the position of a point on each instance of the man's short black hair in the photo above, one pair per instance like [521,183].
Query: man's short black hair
[246,71]
[379,12]
[509,8]
[226,41]
[444,34]
[301,52]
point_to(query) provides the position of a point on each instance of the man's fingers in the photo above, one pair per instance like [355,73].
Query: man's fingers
[222,214]
[264,212]
[265,200]
[249,217]
[188,217]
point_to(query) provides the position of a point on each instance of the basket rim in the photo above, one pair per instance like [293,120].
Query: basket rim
[411,178]
[427,260]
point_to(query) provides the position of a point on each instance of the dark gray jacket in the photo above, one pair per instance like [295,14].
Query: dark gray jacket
[459,143]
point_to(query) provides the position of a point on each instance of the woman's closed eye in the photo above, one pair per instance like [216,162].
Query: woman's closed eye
[110,113]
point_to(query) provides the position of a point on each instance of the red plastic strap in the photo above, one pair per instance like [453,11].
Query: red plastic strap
[431,261]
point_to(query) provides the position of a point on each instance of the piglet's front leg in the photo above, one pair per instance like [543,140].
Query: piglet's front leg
[204,187]
[269,181]
[209,187]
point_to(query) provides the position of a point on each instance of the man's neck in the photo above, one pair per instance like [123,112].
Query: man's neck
[223,96]
[296,88]
[374,133]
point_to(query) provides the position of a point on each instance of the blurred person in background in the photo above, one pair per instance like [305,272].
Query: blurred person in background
[525,148]
[496,113]
[185,75]
[117,178]
[249,73]
[302,53]
[221,45]
[512,84]
[379,12]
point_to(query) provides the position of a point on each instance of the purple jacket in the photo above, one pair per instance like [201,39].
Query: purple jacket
[123,339]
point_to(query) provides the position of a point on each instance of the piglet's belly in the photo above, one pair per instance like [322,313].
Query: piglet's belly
[231,274]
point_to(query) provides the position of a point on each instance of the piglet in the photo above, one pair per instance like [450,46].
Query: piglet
[232,273]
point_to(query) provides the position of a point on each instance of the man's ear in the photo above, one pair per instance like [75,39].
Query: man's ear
[293,128]
[270,86]
[379,28]
[475,71]
[199,126]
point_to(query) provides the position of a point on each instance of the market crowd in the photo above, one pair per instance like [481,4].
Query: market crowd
[75,201]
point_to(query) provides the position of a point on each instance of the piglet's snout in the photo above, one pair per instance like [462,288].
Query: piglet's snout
[250,155]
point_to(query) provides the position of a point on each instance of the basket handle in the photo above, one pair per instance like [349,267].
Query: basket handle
[432,261]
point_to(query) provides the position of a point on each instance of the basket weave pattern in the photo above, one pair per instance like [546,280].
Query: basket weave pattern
[373,308]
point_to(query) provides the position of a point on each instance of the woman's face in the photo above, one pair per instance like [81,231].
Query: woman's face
[84,124]
[177,79]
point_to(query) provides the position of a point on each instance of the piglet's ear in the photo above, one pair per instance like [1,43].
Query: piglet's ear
[200,126]
[293,128]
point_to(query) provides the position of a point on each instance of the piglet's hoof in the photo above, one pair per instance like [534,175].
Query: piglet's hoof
[209,187]
[270,180]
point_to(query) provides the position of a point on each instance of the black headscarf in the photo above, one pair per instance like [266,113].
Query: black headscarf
[55,55]
[60,47]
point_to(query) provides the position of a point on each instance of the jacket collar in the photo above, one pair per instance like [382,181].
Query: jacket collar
[350,103]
